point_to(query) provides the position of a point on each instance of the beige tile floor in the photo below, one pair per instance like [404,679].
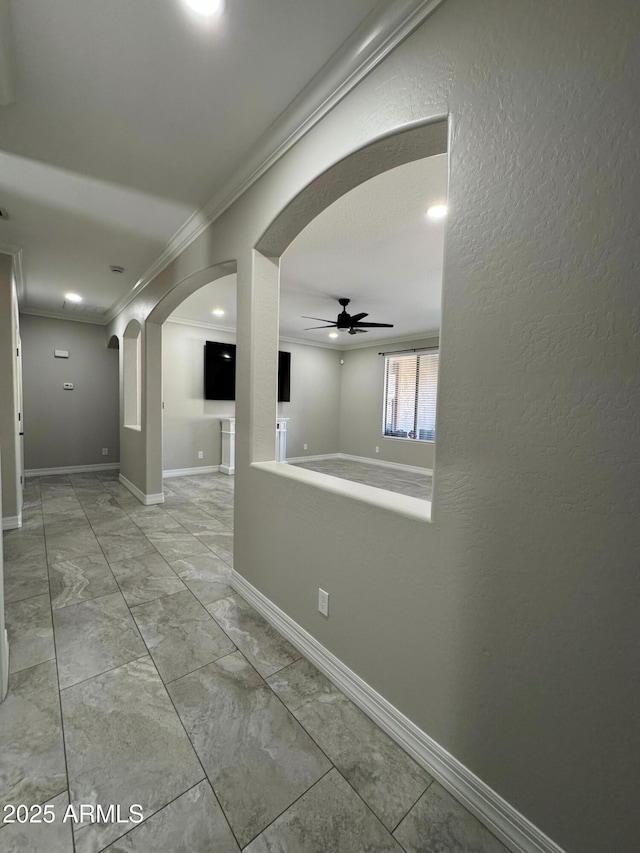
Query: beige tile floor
[139,677]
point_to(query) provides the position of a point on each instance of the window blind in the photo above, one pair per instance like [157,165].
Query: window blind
[410,387]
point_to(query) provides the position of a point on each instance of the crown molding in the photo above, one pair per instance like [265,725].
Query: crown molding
[183,321]
[379,34]
[58,315]
[18,273]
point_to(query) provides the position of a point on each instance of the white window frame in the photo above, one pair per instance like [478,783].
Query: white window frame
[414,433]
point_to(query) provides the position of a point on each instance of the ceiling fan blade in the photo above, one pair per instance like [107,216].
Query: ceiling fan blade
[321,319]
[332,326]
[374,325]
[357,331]
[357,317]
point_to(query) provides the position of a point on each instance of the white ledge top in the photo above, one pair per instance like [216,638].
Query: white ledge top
[405,505]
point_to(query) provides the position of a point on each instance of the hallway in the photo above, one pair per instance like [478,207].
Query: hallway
[138,676]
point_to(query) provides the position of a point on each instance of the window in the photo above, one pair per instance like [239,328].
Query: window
[410,385]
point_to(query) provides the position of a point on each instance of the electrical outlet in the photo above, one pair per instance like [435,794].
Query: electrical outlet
[323,602]
[105,451]
[377,450]
[200,454]
[305,446]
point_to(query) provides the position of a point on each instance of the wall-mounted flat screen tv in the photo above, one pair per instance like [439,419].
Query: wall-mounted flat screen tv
[220,373]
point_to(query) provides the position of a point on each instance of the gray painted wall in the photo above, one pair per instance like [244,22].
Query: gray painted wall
[192,423]
[361,404]
[68,428]
[506,628]
[315,400]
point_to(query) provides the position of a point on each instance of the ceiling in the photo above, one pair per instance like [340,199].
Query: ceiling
[129,116]
[374,245]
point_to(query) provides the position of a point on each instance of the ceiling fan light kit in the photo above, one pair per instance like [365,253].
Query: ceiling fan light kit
[346,322]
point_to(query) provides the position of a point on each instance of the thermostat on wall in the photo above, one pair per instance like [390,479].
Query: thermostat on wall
[61,353]
[68,386]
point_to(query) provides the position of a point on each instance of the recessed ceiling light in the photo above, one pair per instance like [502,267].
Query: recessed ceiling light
[333,334]
[116,268]
[218,312]
[73,297]
[437,211]
[206,7]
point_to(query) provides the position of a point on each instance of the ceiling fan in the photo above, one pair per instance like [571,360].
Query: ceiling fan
[353,324]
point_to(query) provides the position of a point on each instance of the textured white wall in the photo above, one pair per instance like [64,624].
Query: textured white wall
[506,628]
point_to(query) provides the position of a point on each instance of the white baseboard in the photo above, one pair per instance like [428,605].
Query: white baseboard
[71,469]
[186,472]
[4,665]
[12,522]
[293,460]
[227,469]
[366,459]
[147,500]
[501,818]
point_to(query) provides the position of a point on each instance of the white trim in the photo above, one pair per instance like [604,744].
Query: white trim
[18,273]
[186,472]
[183,321]
[499,816]
[12,522]
[58,315]
[416,469]
[72,469]
[379,34]
[228,469]
[292,460]
[403,339]
[4,665]
[147,500]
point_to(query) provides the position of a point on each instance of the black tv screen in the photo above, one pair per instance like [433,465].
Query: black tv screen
[220,373]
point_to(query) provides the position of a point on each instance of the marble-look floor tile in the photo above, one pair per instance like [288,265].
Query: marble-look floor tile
[95,636]
[194,823]
[30,632]
[79,580]
[261,644]
[258,758]
[19,545]
[386,778]
[299,683]
[71,545]
[55,837]
[175,546]
[180,635]
[68,523]
[25,578]
[125,745]
[124,543]
[214,542]
[206,575]
[145,578]
[438,822]
[32,769]
[329,817]
[195,520]
[156,522]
